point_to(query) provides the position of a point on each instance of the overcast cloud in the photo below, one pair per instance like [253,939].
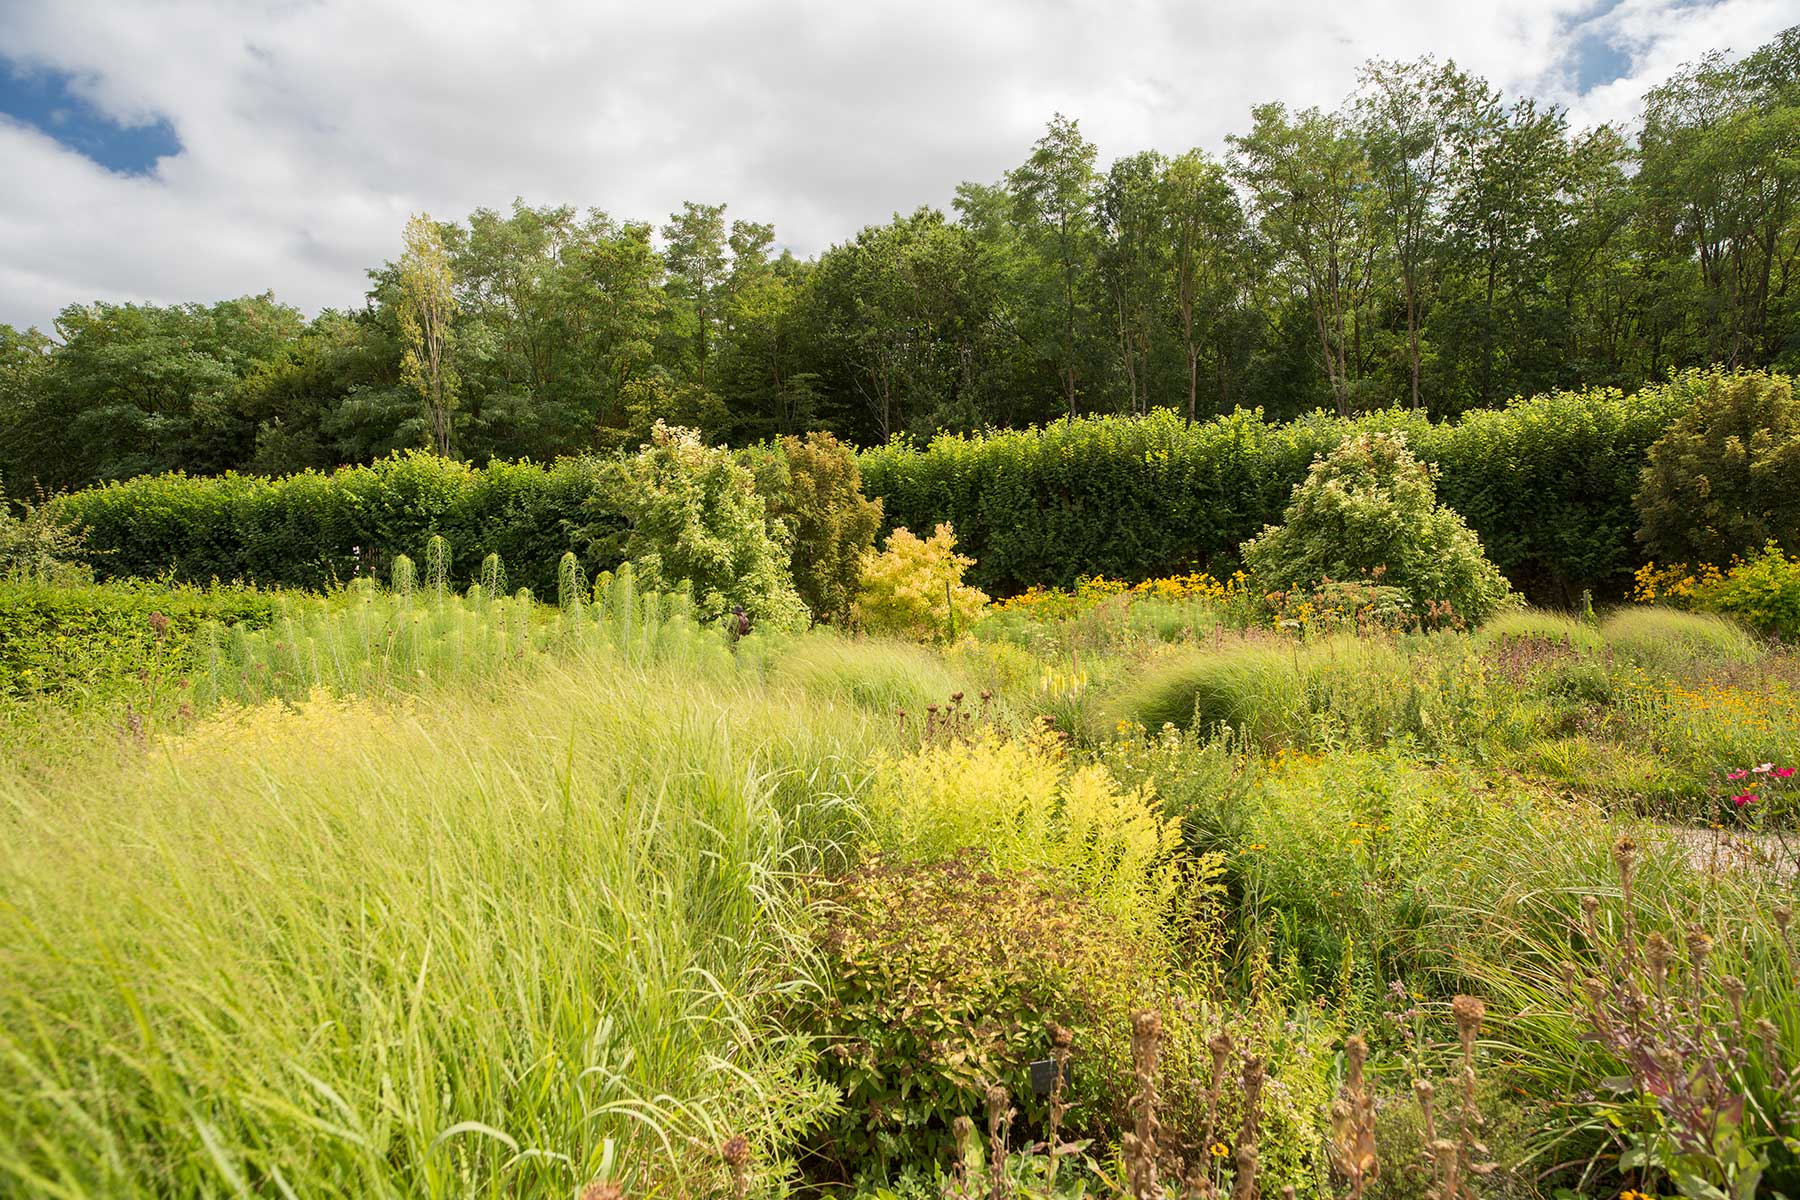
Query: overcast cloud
[309,131]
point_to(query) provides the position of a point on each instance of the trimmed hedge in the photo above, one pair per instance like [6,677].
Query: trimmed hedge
[88,640]
[311,530]
[1547,483]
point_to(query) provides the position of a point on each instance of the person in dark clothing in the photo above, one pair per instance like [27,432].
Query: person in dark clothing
[740,621]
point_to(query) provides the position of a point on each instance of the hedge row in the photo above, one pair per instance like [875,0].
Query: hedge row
[88,640]
[1546,482]
[311,530]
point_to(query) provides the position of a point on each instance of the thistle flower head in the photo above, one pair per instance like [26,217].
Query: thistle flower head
[1469,1012]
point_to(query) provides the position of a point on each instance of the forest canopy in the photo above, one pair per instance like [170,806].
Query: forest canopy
[1430,243]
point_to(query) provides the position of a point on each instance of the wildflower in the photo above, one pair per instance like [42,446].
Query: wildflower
[1765,768]
[1744,798]
[1737,775]
[1784,772]
[1218,1150]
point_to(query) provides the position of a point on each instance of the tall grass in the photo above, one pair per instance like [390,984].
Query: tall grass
[475,945]
[1669,641]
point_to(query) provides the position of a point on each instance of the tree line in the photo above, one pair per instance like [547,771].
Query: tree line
[1429,243]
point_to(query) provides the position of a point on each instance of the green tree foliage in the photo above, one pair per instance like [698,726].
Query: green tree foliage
[1369,510]
[815,491]
[426,308]
[1725,479]
[1429,243]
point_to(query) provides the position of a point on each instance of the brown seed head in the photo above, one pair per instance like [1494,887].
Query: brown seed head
[1469,1012]
[1784,916]
[1699,945]
[1625,856]
[1658,950]
[736,1150]
[1356,1050]
[1061,1036]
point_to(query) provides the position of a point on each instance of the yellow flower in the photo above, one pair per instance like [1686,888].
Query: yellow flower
[1218,1150]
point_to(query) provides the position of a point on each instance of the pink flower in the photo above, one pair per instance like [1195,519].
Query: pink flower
[1784,772]
[1743,798]
[1765,768]
[1740,774]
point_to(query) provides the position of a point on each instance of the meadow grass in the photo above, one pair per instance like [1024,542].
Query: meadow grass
[1668,641]
[469,945]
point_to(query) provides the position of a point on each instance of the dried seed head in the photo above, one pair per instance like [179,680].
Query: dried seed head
[1061,1036]
[1220,1045]
[1699,947]
[1590,905]
[1784,916]
[602,1191]
[962,1128]
[1658,950]
[1356,1050]
[736,1150]
[1734,989]
[1146,1023]
[1596,991]
[1469,1012]
[1423,1090]
[1625,856]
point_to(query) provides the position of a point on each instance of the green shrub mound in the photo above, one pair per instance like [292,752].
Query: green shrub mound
[941,979]
[1762,592]
[1725,479]
[1547,483]
[683,513]
[1664,639]
[1369,510]
[814,488]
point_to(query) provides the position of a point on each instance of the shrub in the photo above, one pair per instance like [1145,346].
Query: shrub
[685,513]
[1722,480]
[71,643]
[1763,593]
[817,495]
[1668,641]
[915,588]
[1369,509]
[1021,802]
[941,979]
[39,545]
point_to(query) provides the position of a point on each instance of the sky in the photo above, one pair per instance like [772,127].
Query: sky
[182,150]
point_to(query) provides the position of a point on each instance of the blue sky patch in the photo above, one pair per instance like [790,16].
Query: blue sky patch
[1598,61]
[43,99]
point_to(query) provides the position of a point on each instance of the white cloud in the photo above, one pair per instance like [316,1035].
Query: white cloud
[310,130]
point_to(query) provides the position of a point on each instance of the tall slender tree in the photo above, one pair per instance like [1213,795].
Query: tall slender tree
[427,308]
